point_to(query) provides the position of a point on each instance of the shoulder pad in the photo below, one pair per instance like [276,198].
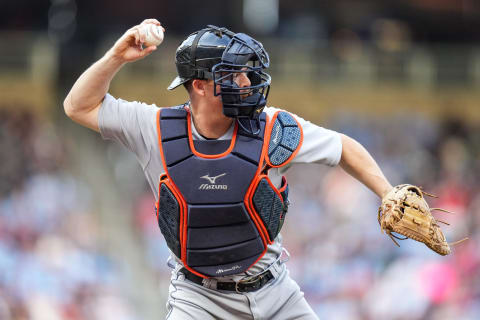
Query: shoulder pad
[285,139]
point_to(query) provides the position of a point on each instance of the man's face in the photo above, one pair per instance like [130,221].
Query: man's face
[240,78]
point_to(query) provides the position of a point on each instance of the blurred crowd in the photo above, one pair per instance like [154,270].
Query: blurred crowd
[51,264]
[345,266]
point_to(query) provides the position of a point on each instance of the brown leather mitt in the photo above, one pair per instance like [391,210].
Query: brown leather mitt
[405,211]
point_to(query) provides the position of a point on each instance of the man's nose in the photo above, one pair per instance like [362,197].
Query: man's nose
[242,80]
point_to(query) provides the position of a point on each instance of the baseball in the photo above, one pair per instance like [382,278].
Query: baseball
[153,35]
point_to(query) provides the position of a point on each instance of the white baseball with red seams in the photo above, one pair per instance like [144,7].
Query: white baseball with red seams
[153,35]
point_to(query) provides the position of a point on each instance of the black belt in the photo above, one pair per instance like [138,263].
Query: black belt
[252,284]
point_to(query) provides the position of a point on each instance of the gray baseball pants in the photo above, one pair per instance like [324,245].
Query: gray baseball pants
[280,299]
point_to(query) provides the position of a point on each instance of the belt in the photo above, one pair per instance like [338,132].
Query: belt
[248,285]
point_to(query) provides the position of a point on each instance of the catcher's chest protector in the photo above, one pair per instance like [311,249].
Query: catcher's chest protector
[217,208]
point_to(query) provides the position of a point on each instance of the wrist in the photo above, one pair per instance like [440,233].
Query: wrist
[385,190]
[113,60]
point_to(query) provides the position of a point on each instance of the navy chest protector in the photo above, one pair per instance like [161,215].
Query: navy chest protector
[217,208]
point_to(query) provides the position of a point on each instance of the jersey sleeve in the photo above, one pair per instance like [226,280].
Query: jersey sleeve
[131,124]
[320,145]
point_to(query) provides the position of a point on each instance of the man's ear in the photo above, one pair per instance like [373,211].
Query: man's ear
[199,86]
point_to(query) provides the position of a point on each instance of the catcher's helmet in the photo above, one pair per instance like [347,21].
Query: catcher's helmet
[219,54]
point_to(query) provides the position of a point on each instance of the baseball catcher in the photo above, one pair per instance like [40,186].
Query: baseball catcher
[216,166]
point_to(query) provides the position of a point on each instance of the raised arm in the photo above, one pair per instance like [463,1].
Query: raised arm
[85,98]
[359,163]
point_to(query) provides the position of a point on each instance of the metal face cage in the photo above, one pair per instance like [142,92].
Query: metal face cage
[243,55]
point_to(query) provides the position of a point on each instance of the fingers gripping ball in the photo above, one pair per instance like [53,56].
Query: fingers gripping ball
[405,211]
[153,34]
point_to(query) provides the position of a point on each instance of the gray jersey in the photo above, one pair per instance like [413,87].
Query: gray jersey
[133,124]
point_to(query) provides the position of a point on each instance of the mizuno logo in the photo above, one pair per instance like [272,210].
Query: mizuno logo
[206,186]
[212,179]
[211,185]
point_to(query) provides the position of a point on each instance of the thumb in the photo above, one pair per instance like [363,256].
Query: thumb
[148,50]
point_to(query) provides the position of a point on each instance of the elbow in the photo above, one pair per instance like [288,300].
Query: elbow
[72,111]
[68,108]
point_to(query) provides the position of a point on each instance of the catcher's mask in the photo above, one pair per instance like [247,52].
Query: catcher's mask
[221,55]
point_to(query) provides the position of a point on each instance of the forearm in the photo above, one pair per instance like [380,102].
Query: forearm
[91,87]
[359,164]
[83,102]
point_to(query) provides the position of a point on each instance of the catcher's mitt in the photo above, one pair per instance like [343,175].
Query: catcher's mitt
[405,211]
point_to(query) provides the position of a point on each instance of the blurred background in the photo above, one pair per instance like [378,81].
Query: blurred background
[78,236]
